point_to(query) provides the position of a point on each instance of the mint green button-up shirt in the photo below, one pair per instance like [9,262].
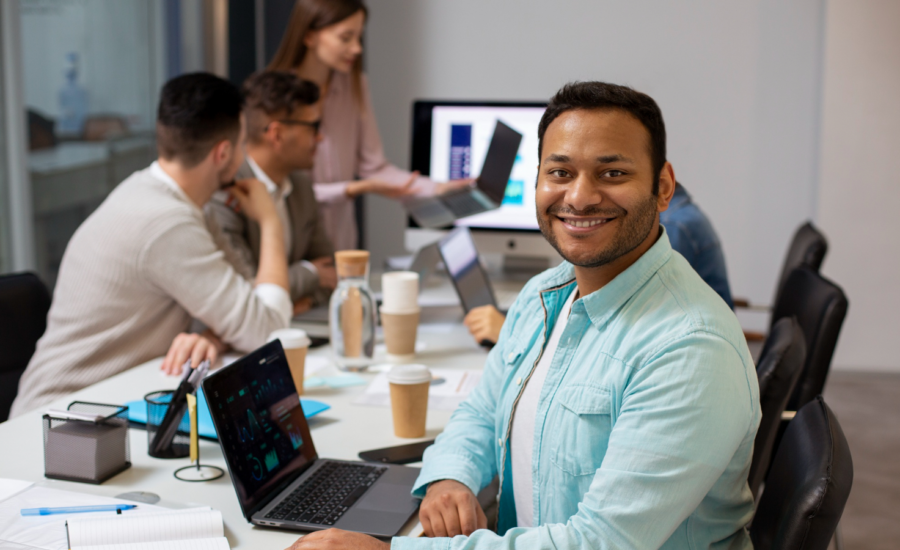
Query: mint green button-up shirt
[645,423]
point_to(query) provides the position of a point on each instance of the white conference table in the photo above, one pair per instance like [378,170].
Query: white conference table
[340,432]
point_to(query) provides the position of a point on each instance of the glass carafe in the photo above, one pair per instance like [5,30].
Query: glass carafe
[351,312]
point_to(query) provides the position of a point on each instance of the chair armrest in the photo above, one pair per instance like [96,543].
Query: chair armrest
[788,415]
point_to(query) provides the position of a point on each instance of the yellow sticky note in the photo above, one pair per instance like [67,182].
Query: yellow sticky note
[195,442]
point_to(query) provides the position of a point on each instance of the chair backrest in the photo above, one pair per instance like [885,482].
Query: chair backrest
[808,248]
[820,307]
[779,368]
[808,484]
[24,303]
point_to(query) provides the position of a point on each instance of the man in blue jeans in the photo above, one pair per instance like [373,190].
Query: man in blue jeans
[620,403]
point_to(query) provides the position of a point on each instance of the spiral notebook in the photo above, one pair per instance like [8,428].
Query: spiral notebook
[193,529]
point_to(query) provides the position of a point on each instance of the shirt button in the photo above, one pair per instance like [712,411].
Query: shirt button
[519,381]
[511,356]
[500,441]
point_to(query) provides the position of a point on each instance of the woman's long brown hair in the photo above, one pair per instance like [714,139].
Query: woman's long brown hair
[312,15]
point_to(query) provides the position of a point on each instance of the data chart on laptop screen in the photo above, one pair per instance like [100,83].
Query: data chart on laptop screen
[460,136]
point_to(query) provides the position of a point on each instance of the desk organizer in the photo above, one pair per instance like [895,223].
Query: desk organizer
[87,451]
[157,405]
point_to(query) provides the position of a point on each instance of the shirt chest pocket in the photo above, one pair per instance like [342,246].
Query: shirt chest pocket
[581,426]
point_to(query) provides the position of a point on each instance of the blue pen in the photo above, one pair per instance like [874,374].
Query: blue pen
[77,509]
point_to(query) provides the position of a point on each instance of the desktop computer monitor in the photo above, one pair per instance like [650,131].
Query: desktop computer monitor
[450,141]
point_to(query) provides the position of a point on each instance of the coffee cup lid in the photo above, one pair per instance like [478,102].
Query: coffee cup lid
[409,374]
[291,338]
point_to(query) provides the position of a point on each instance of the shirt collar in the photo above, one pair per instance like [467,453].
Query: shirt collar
[157,172]
[271,187]
[603,304]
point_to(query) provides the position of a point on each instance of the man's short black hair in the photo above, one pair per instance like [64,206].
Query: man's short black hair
[602,95]
[274,94]
[196,111]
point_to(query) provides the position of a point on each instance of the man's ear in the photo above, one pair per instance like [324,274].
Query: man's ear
[223,152]
[666,187]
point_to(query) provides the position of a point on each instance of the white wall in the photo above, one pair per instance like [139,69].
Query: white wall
[738,84]
[860,185]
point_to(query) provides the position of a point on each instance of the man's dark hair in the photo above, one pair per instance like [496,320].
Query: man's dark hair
[270,94]
[601,95]
[196,111]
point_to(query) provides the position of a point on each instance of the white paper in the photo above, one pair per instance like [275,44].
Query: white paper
[442,396]
[194,544]
[10,487]
[49,532]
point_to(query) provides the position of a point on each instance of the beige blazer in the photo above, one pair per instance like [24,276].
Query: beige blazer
[309,240]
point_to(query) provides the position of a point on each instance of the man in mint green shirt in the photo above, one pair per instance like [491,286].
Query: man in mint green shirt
[620,405]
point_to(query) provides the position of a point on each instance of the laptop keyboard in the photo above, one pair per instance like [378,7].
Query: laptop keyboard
[463,204]
[326,494]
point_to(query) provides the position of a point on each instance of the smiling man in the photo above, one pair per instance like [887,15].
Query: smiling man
[620,404]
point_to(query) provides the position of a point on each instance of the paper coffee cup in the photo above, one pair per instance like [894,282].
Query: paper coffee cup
[400,291]
[295,343]
[409,399]
[400,330]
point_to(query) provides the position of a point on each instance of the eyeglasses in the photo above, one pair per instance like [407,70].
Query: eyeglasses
[291,122]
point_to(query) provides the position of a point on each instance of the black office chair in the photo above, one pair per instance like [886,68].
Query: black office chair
[24,303]
[778,371]
[820,307]
[808,485]
[808,248]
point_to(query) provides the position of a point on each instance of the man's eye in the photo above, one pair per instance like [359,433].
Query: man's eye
[558,172]
[614,173]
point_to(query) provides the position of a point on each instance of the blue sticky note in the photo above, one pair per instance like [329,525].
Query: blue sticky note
[137,412]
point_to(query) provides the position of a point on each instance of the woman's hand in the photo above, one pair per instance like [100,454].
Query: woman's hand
[383,188]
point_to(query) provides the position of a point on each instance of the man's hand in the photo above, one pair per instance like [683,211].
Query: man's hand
[254,200]
[327,272]
[485,322]
[450,509]
[453,185]
[383,188]
[335,539]
[195,346]
[302,305]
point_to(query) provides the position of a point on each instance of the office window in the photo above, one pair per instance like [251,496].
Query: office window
[92,70]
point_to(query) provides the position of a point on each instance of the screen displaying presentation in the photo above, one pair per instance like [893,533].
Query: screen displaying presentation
[460,135]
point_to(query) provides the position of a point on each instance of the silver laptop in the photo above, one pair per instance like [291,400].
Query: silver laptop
[460,257]
[279,479]
[489,190]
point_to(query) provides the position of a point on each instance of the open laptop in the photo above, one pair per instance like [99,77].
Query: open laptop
[460,257]
[489,190]
[279,479]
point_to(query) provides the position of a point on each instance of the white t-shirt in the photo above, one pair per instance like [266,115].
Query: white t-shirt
[522,439]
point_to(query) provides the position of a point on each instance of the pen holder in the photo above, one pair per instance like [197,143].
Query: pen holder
[157,405]
[84,450]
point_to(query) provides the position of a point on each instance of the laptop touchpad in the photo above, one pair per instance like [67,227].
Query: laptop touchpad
[386,496]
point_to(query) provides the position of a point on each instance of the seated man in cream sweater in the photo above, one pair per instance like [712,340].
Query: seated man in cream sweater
[282,134]
[146,261]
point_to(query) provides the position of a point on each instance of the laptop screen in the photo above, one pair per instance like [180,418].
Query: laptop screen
[499,162]
[461,260]
[260,423]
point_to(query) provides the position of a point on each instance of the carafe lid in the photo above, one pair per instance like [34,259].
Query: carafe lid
[351,263]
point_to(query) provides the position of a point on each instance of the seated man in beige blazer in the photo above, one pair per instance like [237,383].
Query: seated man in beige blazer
[282,134]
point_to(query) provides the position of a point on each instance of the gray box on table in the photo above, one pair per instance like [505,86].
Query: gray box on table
[91,452]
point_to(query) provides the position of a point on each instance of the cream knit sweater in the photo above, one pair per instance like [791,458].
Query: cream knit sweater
[132,277]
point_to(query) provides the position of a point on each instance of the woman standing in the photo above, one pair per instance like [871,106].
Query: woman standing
[323,44]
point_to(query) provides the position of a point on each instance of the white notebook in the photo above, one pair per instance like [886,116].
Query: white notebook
[194,529]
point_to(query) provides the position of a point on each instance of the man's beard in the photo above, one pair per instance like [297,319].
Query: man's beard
[634,229]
